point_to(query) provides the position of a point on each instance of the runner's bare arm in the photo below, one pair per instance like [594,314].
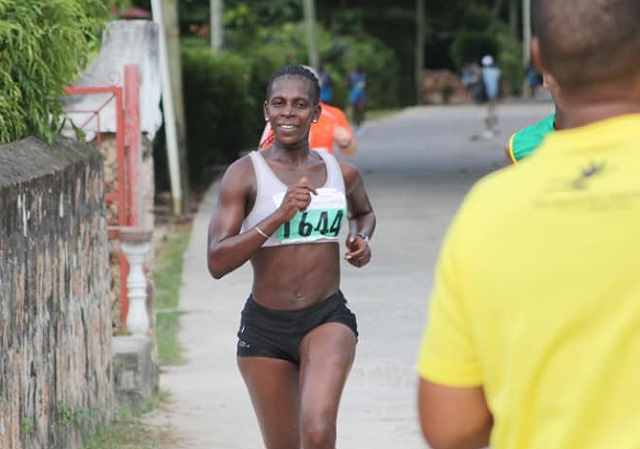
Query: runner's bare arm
[454,417]
[226,248]
[362,219]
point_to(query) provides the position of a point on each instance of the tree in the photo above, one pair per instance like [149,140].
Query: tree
[393,23]
[46,44]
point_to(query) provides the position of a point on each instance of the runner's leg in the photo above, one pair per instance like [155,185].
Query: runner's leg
[327,354]
[273,388]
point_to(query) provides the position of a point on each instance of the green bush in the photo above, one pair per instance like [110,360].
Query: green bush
[380,64]
[218,108]
[272,49]
[471,46]
[482,34]
[510,57]
[276,46]
[44,44]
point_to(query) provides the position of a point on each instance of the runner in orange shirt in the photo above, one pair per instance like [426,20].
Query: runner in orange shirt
[332,128]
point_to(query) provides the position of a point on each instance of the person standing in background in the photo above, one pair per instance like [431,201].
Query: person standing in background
[471,79]
[491,75]
[357,95]
[326,84]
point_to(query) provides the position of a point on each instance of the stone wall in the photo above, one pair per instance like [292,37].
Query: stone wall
[55,325]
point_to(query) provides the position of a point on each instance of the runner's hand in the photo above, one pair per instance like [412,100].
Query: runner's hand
[358,251]
[297,198]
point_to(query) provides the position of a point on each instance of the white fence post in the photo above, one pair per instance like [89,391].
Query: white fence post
[135,244]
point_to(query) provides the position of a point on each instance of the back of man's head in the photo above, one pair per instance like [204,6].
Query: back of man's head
[583,42]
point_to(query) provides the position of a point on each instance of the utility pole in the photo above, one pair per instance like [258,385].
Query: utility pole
[420,19]
[310,25]
[165,13]
[168,108]
[175,69]
[216,25]
[526,32]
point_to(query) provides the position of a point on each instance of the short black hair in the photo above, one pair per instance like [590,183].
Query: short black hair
[302,72]
[583,42]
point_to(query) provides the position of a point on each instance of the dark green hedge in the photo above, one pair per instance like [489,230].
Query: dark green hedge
[480,33]
[218,109]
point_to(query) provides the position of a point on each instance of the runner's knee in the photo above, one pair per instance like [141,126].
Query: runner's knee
[318,431]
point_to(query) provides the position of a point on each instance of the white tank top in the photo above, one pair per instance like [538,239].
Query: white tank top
[322,220]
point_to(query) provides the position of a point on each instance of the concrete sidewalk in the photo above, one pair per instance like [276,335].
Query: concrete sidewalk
[417,166]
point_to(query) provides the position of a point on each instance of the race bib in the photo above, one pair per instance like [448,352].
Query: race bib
[322,219]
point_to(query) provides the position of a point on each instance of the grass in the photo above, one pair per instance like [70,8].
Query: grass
[129,431]
[167,276]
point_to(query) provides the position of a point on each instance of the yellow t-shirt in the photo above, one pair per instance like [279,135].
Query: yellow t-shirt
[537,294]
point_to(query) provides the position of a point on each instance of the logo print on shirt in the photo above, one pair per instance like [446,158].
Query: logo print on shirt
[586,175]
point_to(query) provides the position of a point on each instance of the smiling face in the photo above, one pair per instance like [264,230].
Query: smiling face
[290,110]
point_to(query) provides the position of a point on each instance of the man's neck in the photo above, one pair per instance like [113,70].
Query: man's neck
[574,117]
[588,105]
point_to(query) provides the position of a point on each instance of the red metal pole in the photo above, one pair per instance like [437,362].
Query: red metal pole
[117,94]
[121,195]
[122,201]
[132,142]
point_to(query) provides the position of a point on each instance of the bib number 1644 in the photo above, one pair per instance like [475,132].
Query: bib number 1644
[312,223]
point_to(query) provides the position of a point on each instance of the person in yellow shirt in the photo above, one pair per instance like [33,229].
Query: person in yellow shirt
[533,332]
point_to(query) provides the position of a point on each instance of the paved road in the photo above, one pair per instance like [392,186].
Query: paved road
[417,166]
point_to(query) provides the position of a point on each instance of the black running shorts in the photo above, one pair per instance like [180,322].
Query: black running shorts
[277,334]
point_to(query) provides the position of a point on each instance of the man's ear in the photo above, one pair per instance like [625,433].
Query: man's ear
[265,111]
[534,48]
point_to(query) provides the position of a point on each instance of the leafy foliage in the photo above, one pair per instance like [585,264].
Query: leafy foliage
[481,33]
[470,46]
[510,59]
[45,44]
[217,107]
[392,24]
[477,36]
[268,48]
